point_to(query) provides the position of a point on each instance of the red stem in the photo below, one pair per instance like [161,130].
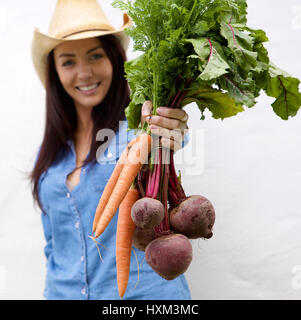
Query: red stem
[234,39]
[181,94]
[173,198]
[152,178]
[179,189]
[174,102]
[164,227]
[165,195]
[149,184]
[140,181]
[157,177]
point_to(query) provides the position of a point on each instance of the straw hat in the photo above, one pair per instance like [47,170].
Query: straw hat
[72,20]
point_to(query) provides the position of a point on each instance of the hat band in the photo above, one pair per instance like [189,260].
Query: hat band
[71,34]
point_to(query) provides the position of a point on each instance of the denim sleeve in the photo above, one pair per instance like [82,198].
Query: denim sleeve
[47,233]
[186,139]
[46,223]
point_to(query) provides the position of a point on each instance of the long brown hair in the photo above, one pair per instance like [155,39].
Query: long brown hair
[61,118]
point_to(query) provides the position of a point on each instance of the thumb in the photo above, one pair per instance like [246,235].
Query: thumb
[146,108]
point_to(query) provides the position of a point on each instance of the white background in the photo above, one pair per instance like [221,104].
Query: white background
[251,170]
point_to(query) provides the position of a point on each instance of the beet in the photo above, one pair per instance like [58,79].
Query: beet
[147,213]
[142,237]
[169,255]
[193,217]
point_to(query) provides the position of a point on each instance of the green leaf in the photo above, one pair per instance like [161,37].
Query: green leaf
[285,89]
[133,115]
[213,60]
[239,89]
[200,29]
[274,71]
[136,72]
[287,104]
[220,104]
[201,48]
[241,45]
[258,34]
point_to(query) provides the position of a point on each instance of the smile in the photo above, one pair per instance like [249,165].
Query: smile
[88,89]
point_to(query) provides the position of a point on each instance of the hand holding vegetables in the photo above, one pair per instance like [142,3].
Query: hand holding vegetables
[169,124]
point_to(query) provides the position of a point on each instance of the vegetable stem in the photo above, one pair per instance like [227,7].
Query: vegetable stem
[140,183]
[191,13]
[155,93]
[157,177]
[164,226]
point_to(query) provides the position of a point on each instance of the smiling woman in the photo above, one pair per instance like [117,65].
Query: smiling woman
[74,115]
[81,65]
[86,77]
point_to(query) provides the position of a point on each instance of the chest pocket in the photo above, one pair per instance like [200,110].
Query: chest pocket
[102,170]
[101,175]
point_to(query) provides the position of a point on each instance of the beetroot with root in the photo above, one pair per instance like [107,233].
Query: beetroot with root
[147,212]
[169,255]
[193,217]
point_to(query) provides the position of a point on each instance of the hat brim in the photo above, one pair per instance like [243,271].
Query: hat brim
[43,44]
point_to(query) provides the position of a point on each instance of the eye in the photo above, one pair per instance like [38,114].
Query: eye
[67,63]
[96,56]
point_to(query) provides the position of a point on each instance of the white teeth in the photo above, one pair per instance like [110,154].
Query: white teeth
[93,86]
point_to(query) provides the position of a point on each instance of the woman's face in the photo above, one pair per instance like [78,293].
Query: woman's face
[84,70]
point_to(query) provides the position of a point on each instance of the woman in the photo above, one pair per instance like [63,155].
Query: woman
[81,65]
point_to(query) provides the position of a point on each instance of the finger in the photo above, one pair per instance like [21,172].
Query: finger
[171,144]
[165,122]
[176,135]
[178,114]
[183,127]
[185,118]
[146,109]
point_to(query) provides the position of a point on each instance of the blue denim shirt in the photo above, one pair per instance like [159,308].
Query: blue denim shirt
[74,267]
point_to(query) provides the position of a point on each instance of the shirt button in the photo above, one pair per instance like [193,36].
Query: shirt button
[82,258]
[68,194]
[76,225]
[83,291]
[84,170]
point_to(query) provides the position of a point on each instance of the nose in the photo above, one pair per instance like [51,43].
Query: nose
[84,71]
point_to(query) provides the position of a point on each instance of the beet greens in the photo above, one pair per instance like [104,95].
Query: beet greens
[190,45]
[198,51]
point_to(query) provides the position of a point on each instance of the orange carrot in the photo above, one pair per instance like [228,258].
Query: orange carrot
[111,184]
[124,236]
[137,156]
